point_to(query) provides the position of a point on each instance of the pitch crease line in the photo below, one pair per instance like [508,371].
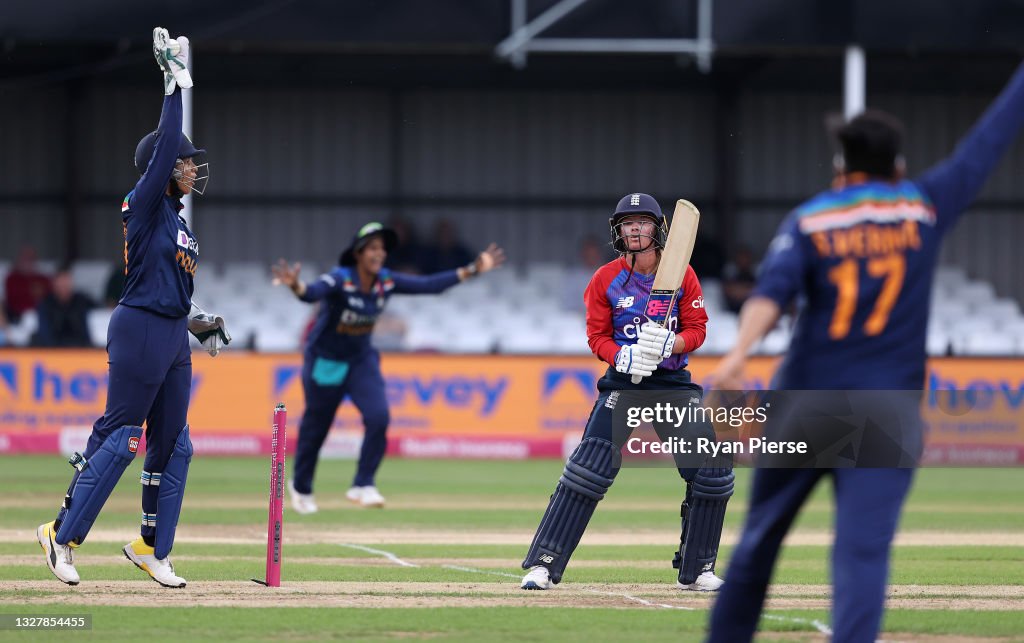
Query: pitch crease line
[628,597]
[474,570]
[816,624]
[380,552]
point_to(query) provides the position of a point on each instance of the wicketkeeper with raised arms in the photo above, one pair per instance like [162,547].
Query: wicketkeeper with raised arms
[339,360]
[615,301]
[150,361]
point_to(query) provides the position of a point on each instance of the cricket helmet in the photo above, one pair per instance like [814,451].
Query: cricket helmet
[637,203]
[186,150]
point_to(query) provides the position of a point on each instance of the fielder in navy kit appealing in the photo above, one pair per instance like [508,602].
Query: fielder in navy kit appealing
[615,300]
[862,256]
[147,344]
[339,360]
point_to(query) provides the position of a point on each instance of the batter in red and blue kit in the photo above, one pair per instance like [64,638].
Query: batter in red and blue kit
[340,362]
[619,335]
[150,375]
[861,257]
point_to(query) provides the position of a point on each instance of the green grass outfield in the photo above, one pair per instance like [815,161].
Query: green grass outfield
[441,561]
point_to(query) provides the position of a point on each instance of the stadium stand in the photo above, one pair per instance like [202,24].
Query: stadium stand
[519,312]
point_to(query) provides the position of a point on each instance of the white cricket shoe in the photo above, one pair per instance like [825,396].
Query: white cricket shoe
[706,582]
[537,578]
[365,496]
[159,569]
[302,503]
[58,557]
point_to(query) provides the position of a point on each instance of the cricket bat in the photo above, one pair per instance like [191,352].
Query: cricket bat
[675,257]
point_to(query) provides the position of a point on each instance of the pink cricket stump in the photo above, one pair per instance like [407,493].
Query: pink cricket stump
[275,520]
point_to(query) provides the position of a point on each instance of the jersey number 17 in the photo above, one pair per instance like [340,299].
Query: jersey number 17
[846,278]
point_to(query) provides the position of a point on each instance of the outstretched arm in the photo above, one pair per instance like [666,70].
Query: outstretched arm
[954,182]
[438,282]
[172,58]
[286,274]
[758,316]
[152,186]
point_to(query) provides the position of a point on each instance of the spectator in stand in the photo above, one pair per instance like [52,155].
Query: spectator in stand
[63,315]
[740,277]
[115,284]
[708,258]
[25,285]
[592,255]
[408,254]
[447,252]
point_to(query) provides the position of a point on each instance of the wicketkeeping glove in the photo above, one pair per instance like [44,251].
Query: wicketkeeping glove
[632,360]
[172,56]
[656,340]
[209,329]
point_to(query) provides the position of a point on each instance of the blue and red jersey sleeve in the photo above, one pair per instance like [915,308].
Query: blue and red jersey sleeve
[600,331]
[693,317]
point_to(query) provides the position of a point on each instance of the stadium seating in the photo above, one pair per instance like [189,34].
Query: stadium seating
[526,311]
[20,334]
[90,278]
[98,320]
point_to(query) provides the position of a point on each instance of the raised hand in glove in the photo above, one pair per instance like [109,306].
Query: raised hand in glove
[632,360]
[209,329]
[172,56]
[656,340]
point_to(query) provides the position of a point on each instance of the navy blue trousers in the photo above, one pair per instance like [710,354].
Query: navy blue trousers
[600,424]
[150,381]
[868,503]
[363,383]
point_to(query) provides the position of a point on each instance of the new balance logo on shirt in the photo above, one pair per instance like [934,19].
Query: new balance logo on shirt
[625,302]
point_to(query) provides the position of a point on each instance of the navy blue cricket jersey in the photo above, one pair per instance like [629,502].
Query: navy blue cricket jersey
[160,252]
[862,258]
[347,315]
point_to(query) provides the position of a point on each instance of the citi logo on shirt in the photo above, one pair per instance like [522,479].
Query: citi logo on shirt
[698,302]
[630,331]
[625,302]
[187,242]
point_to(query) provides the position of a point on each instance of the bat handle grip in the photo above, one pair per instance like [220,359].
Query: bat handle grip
[637,379]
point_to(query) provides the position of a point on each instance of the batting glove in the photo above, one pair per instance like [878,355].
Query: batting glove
[172,57]
[656,340]
[632,360]
[209,329]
